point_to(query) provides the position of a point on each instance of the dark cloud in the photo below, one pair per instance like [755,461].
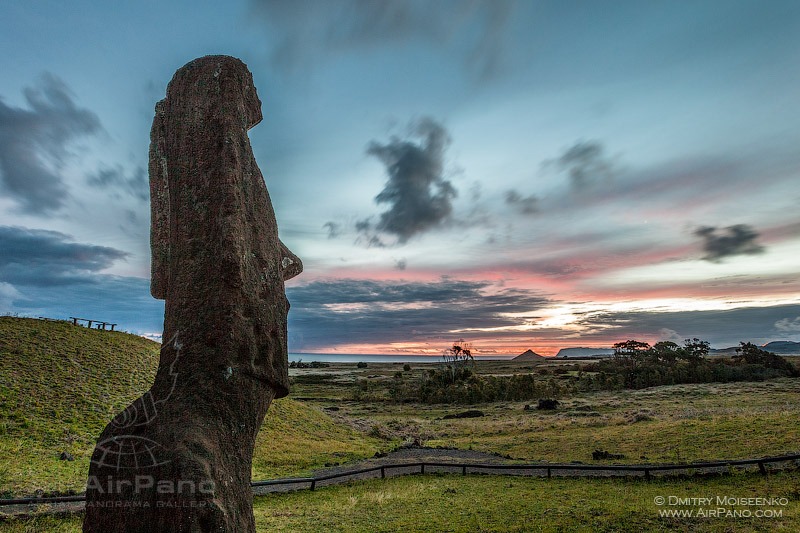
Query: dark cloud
[370,241]
[327,313]
[115,180]
[722,328]
[34,144]
[334,229]
[363,225]
[733,240]
[418,196]
[42,258]
[311,31]
[586,164]
[526,205]
[401,264]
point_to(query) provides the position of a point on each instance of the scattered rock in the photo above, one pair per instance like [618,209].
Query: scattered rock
[66,456]
[547,404]
[330,408]
[472,413]
[641,416]
[412,443]
[598,455]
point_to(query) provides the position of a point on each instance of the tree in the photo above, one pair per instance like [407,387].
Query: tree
[695,349]
[630,352]
[458,360]
[666,351]
[750,354]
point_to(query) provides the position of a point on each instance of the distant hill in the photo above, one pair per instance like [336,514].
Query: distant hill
[783,347]
[776,347]
[567,353]
[61,384]
[529,355]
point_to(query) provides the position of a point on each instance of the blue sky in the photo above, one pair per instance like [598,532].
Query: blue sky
[520,174]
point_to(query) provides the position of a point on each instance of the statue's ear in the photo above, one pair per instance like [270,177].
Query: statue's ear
[290,263]
[159,208]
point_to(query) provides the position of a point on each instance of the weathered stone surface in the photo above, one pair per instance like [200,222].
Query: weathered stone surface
[179,457]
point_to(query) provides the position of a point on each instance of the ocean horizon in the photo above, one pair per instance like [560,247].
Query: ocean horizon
[381,358]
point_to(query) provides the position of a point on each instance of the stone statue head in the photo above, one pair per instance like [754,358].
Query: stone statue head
[217,260]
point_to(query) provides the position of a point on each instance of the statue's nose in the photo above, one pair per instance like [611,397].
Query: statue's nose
[290,263]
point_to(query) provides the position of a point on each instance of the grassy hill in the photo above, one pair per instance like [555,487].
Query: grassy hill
[60,385]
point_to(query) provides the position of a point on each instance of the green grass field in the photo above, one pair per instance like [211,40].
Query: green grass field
[492,503]
[60,384]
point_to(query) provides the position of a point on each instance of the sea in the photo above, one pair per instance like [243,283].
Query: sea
[378,358]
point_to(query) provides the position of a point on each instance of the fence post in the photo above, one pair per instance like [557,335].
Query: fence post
[762,468]
[422,468]
[647,474]
[464,470]
[383,472]
[313,484]
[549,473]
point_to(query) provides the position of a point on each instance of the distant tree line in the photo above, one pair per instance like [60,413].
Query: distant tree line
[634,365]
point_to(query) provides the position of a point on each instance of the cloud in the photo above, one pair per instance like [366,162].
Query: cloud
[312,31]
[419,198]
[347,311]
[736,240]
[401,264]
[586,164]
[34,144]
[720,327]
[7,296]
[41,258]
[114,179]
[666,334]
[527,205]
[788,325]
[334,229]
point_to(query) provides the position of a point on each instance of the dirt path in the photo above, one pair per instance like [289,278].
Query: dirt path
[412,454]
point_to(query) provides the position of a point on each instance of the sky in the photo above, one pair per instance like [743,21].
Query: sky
[518,174]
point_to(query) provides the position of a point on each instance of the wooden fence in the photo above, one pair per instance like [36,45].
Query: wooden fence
[101,324]
[543,469]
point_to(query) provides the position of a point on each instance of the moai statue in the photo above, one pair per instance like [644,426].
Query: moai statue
[179,457]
